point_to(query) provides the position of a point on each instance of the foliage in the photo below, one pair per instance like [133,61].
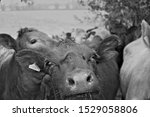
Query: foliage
[125,12]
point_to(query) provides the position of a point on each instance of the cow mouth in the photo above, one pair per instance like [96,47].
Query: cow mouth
[84,96]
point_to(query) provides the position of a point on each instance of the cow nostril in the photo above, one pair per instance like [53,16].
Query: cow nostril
[89,78]
[71,81]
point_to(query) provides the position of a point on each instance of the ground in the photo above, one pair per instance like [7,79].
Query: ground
[51,22]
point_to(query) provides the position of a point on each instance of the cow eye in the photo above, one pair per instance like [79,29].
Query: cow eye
[83,57]
[49,65]
[33,41]
[94,58]
[69,57]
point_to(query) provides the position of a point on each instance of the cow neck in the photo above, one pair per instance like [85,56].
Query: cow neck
[21,84]
[11,74]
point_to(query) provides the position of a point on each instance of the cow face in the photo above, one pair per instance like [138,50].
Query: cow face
[29,38]
[76,75]
[136,66]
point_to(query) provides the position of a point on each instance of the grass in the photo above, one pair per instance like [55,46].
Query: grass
[50,22]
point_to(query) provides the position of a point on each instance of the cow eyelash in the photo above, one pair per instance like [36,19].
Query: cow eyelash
[94,57]
[33,41]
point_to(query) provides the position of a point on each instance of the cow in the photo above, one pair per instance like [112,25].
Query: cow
[126,35]
[83,73]
[21,72]
[134,74]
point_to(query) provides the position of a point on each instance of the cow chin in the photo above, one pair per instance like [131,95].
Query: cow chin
[85,96]
[94,95]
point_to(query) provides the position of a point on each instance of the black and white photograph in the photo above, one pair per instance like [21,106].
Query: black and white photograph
[74,49]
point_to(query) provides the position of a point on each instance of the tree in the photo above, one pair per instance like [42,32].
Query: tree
[123,13]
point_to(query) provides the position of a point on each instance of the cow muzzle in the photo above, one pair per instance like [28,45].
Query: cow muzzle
[81,81]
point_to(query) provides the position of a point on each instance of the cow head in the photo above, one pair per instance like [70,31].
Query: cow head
[29,38]
[76,75]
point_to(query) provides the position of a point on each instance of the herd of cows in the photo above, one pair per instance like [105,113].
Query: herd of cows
[80,65]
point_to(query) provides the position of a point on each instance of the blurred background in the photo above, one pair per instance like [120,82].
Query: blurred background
[50,16]
[40,5]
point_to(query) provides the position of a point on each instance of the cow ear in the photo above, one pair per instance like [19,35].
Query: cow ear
[108,46]
[110,43]
[31,59]
[146,33]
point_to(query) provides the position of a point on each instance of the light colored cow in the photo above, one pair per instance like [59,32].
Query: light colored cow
[135,71]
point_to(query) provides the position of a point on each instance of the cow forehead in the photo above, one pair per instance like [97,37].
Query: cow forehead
[75,48]
[37,34]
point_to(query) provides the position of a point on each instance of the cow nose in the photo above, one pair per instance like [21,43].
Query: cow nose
[81,78]
[82,81]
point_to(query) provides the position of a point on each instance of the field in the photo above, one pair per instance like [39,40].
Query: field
[51,22]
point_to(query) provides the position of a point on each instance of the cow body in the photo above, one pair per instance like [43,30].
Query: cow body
[135,77]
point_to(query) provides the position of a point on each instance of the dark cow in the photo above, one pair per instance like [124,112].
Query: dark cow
[126,36]
[133,33]
[135,79]
[21,73]
[81,73]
